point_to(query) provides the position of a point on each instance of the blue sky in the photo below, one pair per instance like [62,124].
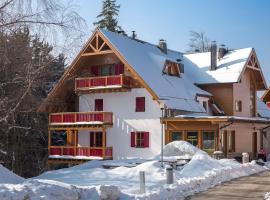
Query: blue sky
[236,23]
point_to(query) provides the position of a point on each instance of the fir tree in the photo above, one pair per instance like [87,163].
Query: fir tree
[108,16]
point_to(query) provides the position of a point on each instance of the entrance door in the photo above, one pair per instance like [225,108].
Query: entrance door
[224,142]
[254,143]
[192,137]
[176,136]
[96,139]
[98,104]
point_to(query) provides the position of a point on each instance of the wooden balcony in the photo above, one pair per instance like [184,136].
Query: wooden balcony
[81,118]
[74,152]
[103,84]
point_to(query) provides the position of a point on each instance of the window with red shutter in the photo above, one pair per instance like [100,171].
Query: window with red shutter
[132,139]
[140,139]
[95,70]
[146,139]
[98,104]
[140,104]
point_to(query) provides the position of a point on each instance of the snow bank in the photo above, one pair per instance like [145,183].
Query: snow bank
[7,176]
[267,196]
[49,190]
[181,149]
[91,181]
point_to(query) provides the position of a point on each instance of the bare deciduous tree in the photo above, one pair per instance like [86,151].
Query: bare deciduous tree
[27,65]
[199,42]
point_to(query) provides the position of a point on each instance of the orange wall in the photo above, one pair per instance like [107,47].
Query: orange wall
[223,96]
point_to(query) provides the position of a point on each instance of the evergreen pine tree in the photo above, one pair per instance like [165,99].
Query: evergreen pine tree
[108,16]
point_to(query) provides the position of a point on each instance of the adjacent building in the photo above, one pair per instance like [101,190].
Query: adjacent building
[120,93]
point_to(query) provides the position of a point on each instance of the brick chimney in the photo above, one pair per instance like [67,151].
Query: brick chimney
[213,56]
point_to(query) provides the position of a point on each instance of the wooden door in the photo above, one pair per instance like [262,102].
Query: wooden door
[98,104]
[193,138]
[224,142]
[254,143]
[96,139]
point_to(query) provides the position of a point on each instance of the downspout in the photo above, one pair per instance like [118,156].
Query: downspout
[264,134]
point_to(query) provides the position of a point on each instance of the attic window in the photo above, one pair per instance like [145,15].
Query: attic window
[173,68]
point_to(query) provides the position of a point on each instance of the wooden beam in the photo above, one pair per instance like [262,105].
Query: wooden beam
[93,48]
[253,68]
[101,46]
[98,53]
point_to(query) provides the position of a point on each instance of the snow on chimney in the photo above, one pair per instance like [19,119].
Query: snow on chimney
[162,46]
[222,51]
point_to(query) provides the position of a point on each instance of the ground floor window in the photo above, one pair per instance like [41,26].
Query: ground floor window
[192,137]
[208,140]
[140,139]
[176,136]
[58,137]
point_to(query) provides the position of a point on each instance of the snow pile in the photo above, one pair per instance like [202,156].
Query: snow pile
[267,196]
[46,189]
[7,176]
[91,181]
[181,149]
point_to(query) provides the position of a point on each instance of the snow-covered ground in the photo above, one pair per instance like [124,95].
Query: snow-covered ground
[91,181]
[7,176]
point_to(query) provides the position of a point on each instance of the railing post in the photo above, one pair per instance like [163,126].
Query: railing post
[142,182]
[62,117]
[121,80]
[103,143]
[62,150]
[169,175]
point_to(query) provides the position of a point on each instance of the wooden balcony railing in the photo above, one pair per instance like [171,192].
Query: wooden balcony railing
[119,81]
[82,117]
[105,152]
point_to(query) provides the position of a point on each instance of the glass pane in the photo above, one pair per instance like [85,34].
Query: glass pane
[176,136]
[208,140]
[105,70]
[192,138]
[58,138]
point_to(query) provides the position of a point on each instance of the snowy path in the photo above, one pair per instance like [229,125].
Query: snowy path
[252,187]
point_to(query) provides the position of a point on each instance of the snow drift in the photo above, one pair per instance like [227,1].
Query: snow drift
[91,181]
[181,149]
[7,176]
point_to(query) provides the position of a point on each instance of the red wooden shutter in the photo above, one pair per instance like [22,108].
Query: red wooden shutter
[132,139]
[98,104]
[140,104]
[146,139]
[119,69]
[95,70]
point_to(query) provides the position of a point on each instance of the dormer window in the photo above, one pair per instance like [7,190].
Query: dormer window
[172,68]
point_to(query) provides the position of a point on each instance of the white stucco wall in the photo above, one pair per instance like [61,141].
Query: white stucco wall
[206,99]
[126,120]
[84,139]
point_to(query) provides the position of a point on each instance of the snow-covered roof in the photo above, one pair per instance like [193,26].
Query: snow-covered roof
[262,109]
[148,61]
[229,68]
[228,118]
